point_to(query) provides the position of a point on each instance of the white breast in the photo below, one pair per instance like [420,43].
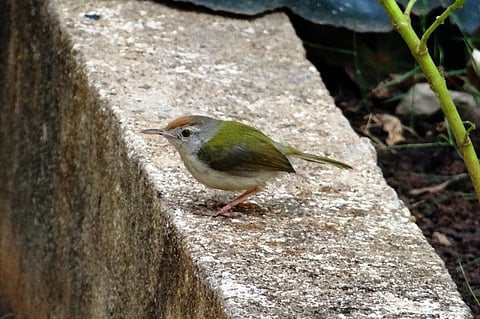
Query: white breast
[223,180]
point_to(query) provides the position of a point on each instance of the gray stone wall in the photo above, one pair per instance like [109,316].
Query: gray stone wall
[81,233]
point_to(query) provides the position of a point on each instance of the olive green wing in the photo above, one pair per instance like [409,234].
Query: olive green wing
[242,150]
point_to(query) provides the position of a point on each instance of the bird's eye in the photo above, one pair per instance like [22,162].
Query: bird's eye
[186,133]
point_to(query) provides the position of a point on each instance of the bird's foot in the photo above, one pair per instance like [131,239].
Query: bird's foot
[241,206]
[239,201]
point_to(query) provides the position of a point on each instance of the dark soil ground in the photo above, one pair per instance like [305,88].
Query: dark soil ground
[448,214]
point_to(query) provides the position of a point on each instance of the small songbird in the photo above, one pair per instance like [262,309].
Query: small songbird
[231,156]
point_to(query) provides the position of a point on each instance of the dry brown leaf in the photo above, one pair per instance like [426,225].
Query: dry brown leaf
[393,126]
[389,123]
[441,239]
[430,189]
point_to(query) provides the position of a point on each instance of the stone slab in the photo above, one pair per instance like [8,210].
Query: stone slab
[101,223]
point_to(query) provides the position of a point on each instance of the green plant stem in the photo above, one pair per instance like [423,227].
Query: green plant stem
[417,145]
[409,8]
[470,289]
[402,24]
[422,46]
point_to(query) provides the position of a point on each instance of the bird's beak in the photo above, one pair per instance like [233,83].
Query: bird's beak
[157,131]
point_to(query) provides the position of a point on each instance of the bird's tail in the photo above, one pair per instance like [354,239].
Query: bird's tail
[291,151]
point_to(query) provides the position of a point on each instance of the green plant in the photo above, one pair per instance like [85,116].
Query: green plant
[419,50]
[467,281]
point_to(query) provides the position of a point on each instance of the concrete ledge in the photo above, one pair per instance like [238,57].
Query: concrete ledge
[96,221]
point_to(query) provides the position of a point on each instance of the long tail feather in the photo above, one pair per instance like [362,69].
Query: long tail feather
[290,151]
[321,159]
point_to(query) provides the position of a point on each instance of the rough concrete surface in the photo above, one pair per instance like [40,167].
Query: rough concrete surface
[97,220]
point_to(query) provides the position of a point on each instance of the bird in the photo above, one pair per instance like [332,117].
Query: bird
[231,156]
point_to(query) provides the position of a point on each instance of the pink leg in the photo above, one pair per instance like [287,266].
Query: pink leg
[245,205]
[224,211]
